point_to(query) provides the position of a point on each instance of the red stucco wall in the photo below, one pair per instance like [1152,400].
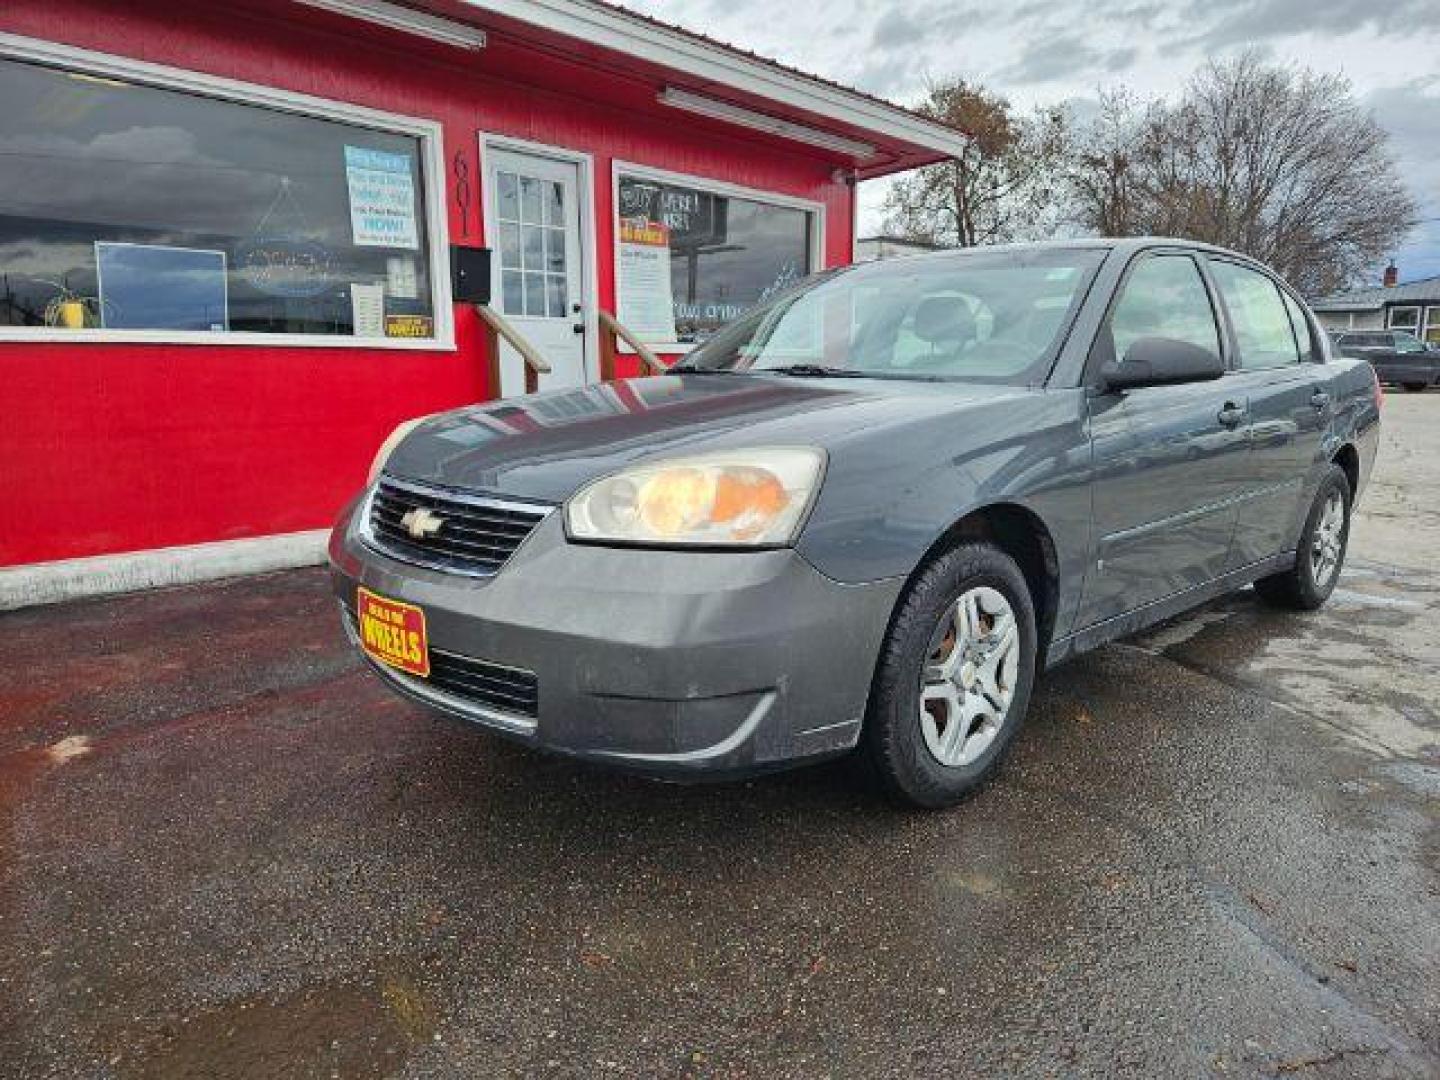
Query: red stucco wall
[107,448]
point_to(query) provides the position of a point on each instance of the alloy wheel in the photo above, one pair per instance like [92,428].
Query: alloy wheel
[1329,535]
[969,676]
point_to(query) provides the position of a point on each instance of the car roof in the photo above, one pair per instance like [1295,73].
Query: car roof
[1125,245]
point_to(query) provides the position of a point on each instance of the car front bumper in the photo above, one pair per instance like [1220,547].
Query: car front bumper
[675,663]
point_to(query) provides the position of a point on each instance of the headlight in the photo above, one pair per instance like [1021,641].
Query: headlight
[741,498]
[388,446]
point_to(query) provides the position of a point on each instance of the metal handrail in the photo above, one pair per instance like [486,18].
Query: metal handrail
[611,324]
[535,364]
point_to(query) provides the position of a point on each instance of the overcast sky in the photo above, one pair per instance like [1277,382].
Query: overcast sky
[1041,51]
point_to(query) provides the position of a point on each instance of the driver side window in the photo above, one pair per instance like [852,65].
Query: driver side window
[1164,297]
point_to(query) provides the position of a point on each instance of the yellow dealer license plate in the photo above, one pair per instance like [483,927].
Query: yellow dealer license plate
[393,633]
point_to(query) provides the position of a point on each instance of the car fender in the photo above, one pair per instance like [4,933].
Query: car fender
[1031,451]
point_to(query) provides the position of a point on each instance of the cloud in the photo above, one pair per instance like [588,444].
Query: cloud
[1064,57]
[1245,22]
[897,28]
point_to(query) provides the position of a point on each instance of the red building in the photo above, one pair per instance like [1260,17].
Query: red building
[226,239]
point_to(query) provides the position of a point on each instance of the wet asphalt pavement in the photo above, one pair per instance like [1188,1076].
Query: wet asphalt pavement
[226,850]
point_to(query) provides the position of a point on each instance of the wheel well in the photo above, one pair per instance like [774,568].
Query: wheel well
[1349,460]
[1023,536]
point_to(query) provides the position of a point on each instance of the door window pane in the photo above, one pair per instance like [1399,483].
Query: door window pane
[1165,297]
[510,244]
[555,205]
[1300,325]
[512,285]
[507,196]
[530,209]
[130,206]
[535,294]
[555,251]
[725,255]
[1262,325]
[533,247]
[557,299]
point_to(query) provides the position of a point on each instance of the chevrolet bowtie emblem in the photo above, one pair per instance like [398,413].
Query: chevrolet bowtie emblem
[421,523]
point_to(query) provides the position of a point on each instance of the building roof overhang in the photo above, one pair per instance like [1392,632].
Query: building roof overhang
[714,83]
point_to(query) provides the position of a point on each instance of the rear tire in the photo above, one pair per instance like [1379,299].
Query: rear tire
[1320,554]
[1415,387]
[953,681]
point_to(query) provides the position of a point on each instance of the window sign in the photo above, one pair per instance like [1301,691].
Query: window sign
[129,206]
[646,304]
[382,198]
[690,260]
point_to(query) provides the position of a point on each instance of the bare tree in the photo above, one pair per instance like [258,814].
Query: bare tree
[1004,186]
[1280,163]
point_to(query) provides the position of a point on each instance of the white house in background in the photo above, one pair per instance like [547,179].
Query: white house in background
[1414,306]
[870,248]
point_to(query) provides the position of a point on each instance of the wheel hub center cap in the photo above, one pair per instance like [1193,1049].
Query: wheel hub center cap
[967,674]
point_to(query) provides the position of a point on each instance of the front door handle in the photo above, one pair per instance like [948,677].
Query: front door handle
[1231,415]
[1320,399]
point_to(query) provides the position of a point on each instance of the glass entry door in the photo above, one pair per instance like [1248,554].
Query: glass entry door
[534,204]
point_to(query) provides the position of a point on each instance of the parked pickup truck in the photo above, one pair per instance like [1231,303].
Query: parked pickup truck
[865,515]
[1398,356]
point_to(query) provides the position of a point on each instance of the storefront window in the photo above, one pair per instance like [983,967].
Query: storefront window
[690,260]
[132,207]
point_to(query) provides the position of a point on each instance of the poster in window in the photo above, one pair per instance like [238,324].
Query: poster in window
[382,198]
[645,301]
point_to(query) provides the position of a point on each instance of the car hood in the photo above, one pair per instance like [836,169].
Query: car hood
[546,446]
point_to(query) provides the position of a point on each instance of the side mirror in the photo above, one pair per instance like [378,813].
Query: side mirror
[1158,361]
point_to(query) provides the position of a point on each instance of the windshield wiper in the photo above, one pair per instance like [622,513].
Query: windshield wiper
[686,369]
[813,371]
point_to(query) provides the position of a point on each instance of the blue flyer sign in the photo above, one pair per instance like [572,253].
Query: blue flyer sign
[382,198]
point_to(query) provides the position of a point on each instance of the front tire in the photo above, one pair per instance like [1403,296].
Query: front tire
[954,677]
[1320,554]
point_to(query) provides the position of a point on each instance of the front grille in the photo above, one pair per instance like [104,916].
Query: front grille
[506,689]
[476,534]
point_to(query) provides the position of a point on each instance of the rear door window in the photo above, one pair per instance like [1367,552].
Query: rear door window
[1263,331]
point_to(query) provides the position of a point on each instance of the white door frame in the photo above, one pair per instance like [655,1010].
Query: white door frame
[589,257]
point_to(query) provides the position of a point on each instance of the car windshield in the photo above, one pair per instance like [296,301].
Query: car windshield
[995,316]
[1407,342]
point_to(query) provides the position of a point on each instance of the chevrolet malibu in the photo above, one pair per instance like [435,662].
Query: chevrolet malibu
[867,514]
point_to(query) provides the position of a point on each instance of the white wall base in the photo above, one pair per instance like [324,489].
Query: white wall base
[101,575]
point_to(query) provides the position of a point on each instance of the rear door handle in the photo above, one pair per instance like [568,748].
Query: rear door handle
[1231,415]
[1320,399]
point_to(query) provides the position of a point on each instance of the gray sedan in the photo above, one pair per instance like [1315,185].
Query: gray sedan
[867,514]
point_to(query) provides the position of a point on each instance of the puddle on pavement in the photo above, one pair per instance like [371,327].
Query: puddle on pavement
[1366,664]
[333,1030]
